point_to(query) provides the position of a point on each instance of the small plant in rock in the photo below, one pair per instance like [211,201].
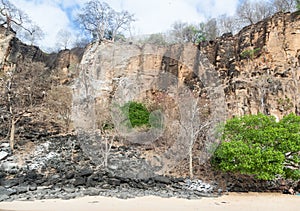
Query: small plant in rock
[284,104]
[137,113]
[258,145]
[139,116]
[250,53]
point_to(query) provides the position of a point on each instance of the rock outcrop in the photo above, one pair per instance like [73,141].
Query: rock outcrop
[13,51]
[260,66]
[256,70]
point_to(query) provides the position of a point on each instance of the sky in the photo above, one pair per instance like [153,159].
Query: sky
[152,16]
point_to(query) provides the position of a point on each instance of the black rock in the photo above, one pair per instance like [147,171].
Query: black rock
[10,183]
[92,192]
[85,172]
[176,186]
[162,179]
[68,190]
[92,181]
[2,175]
[33,187]
[21,189]
[70,175]
[4,197]
[178,179]
[105,186]
[79,181]
[55,179]
[160,185]
[114,182]
[8,191]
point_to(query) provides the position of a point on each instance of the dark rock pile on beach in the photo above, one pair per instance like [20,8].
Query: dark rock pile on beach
[57,168]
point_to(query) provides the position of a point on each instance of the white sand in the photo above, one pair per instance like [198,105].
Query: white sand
[231,202]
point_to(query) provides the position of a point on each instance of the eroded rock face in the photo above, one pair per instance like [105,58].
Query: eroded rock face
[256,70]
[174,80]
[13,51]
[260,66]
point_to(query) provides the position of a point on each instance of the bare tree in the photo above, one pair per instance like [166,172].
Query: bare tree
[59,102]
[102,21]
[34,34]
[251,12]
[80,41]
[227,24]
[120,22]
[284,5]
[23,86]
[64,38]
[156,39]
[183,32]
[211,29]
[13,17]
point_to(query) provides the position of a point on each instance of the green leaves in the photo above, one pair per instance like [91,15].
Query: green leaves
[260,146]
[137,113]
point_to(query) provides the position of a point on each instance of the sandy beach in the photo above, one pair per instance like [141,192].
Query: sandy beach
[231,202]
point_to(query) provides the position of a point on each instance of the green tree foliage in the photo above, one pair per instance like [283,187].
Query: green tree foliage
[250,53]
[184,32]
[258,145]
[138,114]
[298,5]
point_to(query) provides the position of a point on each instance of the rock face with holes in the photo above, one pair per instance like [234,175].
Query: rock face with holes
[260,66]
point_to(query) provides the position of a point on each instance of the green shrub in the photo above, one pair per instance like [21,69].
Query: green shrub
[258,145]
[250,53]
[137,114]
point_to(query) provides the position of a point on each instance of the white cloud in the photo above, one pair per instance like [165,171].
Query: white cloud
[214,8]
[48,16]
[157,16]
[152,16]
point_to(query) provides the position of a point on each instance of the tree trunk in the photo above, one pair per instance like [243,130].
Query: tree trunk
[12,134]
[191,161]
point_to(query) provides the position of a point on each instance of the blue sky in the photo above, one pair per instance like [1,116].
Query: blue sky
[152,16]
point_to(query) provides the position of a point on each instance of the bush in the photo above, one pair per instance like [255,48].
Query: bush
[250,53]
[137,113]
[258,145]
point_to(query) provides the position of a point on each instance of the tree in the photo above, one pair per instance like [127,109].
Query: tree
[227,24]
[156,39]
[81,41]
[184,32]
[284,5]
[102,21]
[211,29]
[251,12]
[14,18]
[59,102]
[298,5]
[260,146]
[22,87]
[34,34]
[64,38]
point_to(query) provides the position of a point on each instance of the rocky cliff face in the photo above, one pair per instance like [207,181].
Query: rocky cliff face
[13,51]
[259,66]
[256,70]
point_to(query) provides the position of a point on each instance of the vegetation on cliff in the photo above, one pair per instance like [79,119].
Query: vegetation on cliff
[260,146]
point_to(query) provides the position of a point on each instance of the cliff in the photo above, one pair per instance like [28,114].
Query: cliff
[260,66]
[256,70]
